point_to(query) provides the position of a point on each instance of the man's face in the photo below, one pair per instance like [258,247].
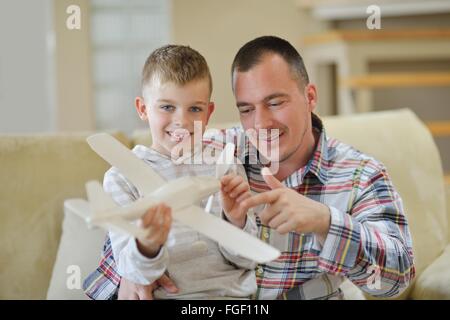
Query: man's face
[268,97]
[171,111]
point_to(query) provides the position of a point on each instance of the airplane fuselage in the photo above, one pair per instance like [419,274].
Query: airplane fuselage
[178,194]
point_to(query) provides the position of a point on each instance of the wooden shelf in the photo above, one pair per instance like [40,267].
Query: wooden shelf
[439,128]
[447,179]
[388,80]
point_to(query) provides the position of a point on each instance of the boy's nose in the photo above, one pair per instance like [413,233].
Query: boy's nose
[181,120]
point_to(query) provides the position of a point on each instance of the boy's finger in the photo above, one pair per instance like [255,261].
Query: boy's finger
[166,227]
[238,190]
[243,196]
[161,225]
[147,218]
[159,216]
[227,178]
[233,183]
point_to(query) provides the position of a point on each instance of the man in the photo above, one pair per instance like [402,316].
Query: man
[331,210]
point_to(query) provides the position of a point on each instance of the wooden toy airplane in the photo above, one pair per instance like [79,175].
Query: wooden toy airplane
[182,194]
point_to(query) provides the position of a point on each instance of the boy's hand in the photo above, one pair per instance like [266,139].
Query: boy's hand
[233,190]
[158,220]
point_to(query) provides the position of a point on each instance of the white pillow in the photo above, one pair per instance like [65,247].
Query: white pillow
[78,255]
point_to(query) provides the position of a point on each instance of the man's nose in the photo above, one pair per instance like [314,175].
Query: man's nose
[263,118]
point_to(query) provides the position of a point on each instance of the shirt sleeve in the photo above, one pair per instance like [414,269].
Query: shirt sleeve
[371,244]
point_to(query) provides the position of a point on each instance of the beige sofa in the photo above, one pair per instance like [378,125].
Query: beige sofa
[45,254]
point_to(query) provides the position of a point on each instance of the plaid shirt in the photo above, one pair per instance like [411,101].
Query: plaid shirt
[368,241]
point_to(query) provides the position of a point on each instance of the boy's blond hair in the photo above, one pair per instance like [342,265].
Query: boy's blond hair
[175,63]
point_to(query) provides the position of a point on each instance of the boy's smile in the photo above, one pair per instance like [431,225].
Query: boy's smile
[171,111]
[179,135]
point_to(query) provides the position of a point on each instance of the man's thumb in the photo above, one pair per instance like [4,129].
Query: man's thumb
[271,181]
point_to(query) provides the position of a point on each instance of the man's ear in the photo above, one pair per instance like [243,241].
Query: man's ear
[311,96]
[210,110]
[141,108]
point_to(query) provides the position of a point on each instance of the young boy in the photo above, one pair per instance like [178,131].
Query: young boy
[176,91]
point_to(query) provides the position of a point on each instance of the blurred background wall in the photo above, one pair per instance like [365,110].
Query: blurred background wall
[27,95]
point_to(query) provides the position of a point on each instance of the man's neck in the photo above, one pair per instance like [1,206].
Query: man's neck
[300,158]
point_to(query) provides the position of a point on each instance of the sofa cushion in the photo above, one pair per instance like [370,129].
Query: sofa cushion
[434,282]
[78,255]
[403,143]
[38,173]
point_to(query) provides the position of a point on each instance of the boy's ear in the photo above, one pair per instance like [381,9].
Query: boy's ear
[211,108]
[141,108]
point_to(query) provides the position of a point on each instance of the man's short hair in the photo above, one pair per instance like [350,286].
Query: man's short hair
[175,63]
[253,52]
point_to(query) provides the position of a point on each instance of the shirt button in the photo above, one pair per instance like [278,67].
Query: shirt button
[266,235]
[259,270]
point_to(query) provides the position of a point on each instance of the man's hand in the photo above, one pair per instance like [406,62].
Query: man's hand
[131,291]
[158,220]
[233,190]
[286,210]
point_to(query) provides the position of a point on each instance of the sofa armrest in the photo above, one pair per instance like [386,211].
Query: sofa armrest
[434,282]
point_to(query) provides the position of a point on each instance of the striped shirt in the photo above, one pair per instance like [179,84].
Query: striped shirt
[223,274]
[368,242]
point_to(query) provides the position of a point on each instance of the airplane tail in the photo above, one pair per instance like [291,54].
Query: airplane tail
[80,207]
[99,200]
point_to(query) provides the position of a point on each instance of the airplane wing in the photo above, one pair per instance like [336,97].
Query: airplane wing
[223,164]
[82,209]
[119,156]
[125,227]
[225,160]
[226,234]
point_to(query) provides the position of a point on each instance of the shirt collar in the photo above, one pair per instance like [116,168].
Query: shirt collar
[318,164]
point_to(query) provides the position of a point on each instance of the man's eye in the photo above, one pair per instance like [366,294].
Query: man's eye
[167,107]
[244,110]
[276,103]
[196,109]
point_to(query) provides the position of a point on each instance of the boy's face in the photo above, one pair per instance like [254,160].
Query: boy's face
[171,111]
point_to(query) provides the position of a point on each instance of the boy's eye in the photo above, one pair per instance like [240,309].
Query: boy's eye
[167,107]
[196,109]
